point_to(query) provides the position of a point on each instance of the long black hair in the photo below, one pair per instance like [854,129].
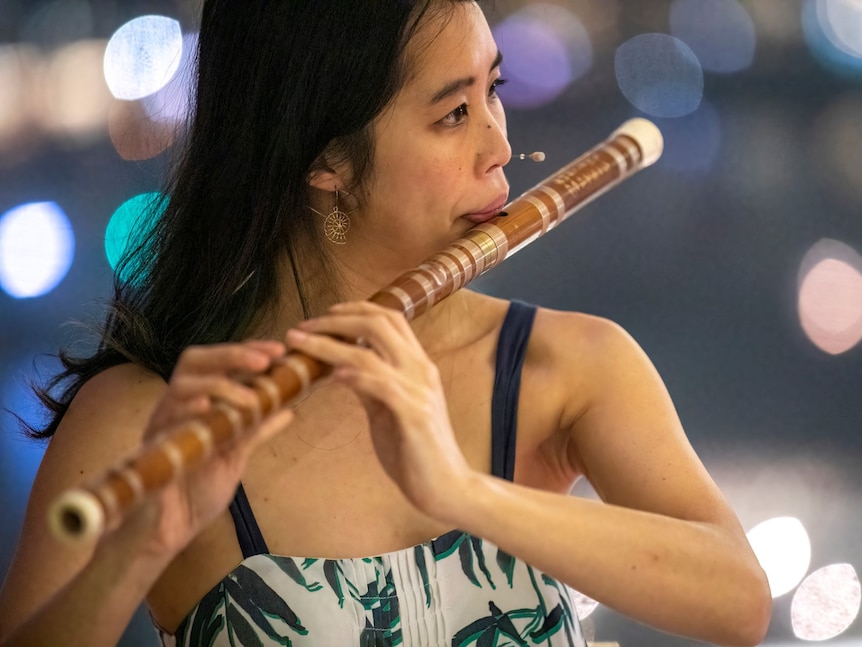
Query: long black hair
[279,83]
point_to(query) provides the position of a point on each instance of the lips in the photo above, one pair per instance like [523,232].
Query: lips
[488,212]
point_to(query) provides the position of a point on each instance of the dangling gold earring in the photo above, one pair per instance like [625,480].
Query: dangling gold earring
[336,224]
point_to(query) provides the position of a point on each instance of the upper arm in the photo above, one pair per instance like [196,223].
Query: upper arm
[104,424]
[624,433]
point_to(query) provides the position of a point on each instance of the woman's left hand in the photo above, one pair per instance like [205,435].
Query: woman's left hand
[400,388]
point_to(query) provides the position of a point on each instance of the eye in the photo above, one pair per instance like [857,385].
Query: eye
[492,92]
[456,116]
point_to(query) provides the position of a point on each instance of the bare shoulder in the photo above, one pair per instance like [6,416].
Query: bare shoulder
[580,332]
[107,416]
[104,423]
[584,349]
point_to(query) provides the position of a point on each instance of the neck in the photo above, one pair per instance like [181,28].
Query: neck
[437,329]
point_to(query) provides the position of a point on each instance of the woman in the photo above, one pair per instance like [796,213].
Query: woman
[417,518]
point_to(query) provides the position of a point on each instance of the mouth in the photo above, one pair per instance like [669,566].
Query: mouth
[486,213]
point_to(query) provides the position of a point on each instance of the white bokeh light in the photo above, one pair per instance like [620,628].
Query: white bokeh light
[142,56]
[36,249]
[784,551]
[826,603]
[833,31]
[171,103]
[841,21]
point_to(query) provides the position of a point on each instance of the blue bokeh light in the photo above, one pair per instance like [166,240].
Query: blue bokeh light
[20,456]
[720,32]
[545,49]
[660,75]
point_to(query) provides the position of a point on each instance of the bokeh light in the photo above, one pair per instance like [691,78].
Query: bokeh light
[170,104]
[833,31]
[720,32]
[659,75]
[841,21]
[20,456]
[135,136]
[776,22]
[144,128]
[830,296]
[37,246]
[142,56]
[19,65]
[75,101]
[129,224]
[784,551]
[546,48]
[826,603]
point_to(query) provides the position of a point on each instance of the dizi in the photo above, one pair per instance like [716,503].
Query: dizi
[87,511]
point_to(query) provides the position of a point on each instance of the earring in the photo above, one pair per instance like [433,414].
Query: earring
[336,224]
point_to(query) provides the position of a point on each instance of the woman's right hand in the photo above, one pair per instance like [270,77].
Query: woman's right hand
[204,375]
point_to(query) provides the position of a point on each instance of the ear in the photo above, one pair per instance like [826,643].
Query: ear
[327,176]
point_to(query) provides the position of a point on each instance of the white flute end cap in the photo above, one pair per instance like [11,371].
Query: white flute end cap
[647,135]
[76,516]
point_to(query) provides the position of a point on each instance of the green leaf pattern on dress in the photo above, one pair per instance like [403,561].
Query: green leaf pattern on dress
[248,608]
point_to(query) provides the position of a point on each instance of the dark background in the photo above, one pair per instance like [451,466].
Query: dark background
[700,257]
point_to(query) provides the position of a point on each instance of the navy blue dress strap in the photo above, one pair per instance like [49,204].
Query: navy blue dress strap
[247,531]
[511,351]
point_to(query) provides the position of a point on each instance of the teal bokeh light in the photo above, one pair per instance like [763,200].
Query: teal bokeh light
[131,222]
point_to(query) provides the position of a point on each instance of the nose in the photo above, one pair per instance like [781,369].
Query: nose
[494,149]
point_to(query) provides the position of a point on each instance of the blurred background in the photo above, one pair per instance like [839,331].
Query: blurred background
[734,261]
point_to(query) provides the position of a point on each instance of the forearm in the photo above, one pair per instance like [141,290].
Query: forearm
[96,606]
[682,577]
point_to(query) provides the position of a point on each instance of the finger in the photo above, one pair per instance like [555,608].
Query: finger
[396,317]
[382,387]
[214,387]
[223,358]
[169,413]
[332,351]
[373,329]
[271,347]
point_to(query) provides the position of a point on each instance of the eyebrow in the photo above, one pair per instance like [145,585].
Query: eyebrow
[453,86]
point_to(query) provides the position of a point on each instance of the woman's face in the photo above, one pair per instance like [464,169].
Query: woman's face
[440,146]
